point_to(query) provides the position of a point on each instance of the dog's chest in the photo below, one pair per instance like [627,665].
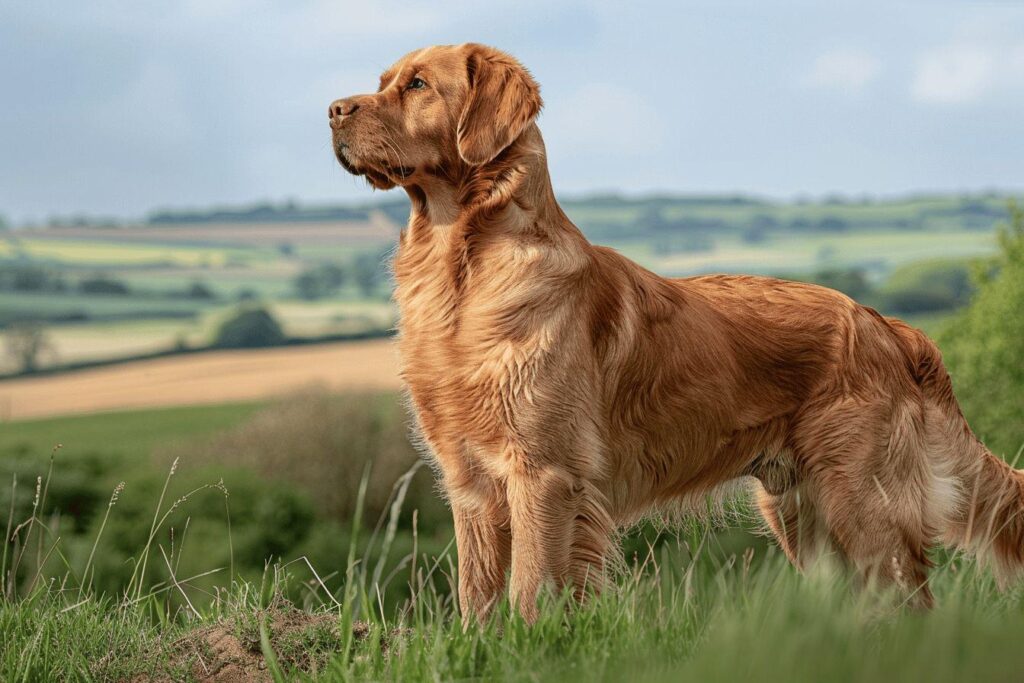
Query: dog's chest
[473,347]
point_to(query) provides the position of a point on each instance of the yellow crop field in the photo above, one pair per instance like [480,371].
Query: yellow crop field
[101,252]
[205,378]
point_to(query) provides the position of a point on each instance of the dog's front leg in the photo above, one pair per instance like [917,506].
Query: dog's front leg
[484,547]
[542,509]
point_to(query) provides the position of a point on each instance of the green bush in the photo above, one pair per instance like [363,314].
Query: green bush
[103,285]
[249,327]
[928,286]
[984,345]
[268,520]
[852,282]
[323,444]
[320,281]
[76,494]
[917,300]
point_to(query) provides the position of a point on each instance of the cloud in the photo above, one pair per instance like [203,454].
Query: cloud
[844,69]
[956,74]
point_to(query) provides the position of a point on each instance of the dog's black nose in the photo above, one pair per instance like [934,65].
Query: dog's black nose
[339,108]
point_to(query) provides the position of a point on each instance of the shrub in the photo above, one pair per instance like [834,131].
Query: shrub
[249,327]
[323,444]
[984,345]
[268,519]
[199,290]
[320,281]
[26,343]
[852,282]
[936,284]
[30,278]
[916,300]
[832,224]
[75,491]
[103,285]
[369,273]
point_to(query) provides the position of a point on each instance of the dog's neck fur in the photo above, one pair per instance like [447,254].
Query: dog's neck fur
[511,194]
[507,203]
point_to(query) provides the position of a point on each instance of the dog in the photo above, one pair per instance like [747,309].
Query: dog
[565,392]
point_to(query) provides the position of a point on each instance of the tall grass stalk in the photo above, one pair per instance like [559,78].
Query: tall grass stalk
[351,589]
[152,532]
[86,583]
[7,580]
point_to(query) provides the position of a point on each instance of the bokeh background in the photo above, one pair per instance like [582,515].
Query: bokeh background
[189,283]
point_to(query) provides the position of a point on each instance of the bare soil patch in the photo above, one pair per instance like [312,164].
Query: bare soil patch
[230,651]
[207,378]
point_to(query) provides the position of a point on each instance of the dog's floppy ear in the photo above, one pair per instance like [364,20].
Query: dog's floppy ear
[503,100]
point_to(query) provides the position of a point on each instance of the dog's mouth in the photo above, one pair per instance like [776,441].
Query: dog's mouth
[358,167]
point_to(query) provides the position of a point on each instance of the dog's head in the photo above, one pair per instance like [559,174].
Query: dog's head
[435,109]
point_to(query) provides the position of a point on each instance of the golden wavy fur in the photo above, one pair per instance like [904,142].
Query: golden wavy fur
[564,391]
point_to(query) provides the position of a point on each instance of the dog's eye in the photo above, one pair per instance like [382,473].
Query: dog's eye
[416,84]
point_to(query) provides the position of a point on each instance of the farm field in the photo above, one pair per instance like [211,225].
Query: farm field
[207,378]
[100,292]
[877,252]
[190,325]
[215,376]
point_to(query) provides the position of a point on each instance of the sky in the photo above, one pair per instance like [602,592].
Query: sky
[117,108]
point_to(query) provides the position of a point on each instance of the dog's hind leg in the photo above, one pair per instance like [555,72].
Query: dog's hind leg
[873,484]
[796,523]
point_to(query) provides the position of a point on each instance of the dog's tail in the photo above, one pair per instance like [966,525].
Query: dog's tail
[984,511]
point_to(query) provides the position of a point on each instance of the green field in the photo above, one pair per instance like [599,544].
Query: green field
[125,436]
[105,253]
[877,252]
[182,275]
[701,604]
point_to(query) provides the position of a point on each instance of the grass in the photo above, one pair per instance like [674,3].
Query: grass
[123,435]
[700,603]
[688,609]
[694,603]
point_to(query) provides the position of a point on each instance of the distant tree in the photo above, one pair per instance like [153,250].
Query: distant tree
[916,300]
[651,219]
[309,285]
[938,284]
[764,221]
[103,285]
[249,327]
[754,235]
[26,343]
[28,277]
[853,282]
[320,281]
[334,275]
[3,222]
[984,345]
[832,224]
[368,273]
[24,278]
[200,290]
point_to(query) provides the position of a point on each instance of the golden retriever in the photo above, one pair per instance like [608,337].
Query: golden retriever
[564,391]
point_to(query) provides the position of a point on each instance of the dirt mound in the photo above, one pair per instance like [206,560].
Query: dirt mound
[230,651]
